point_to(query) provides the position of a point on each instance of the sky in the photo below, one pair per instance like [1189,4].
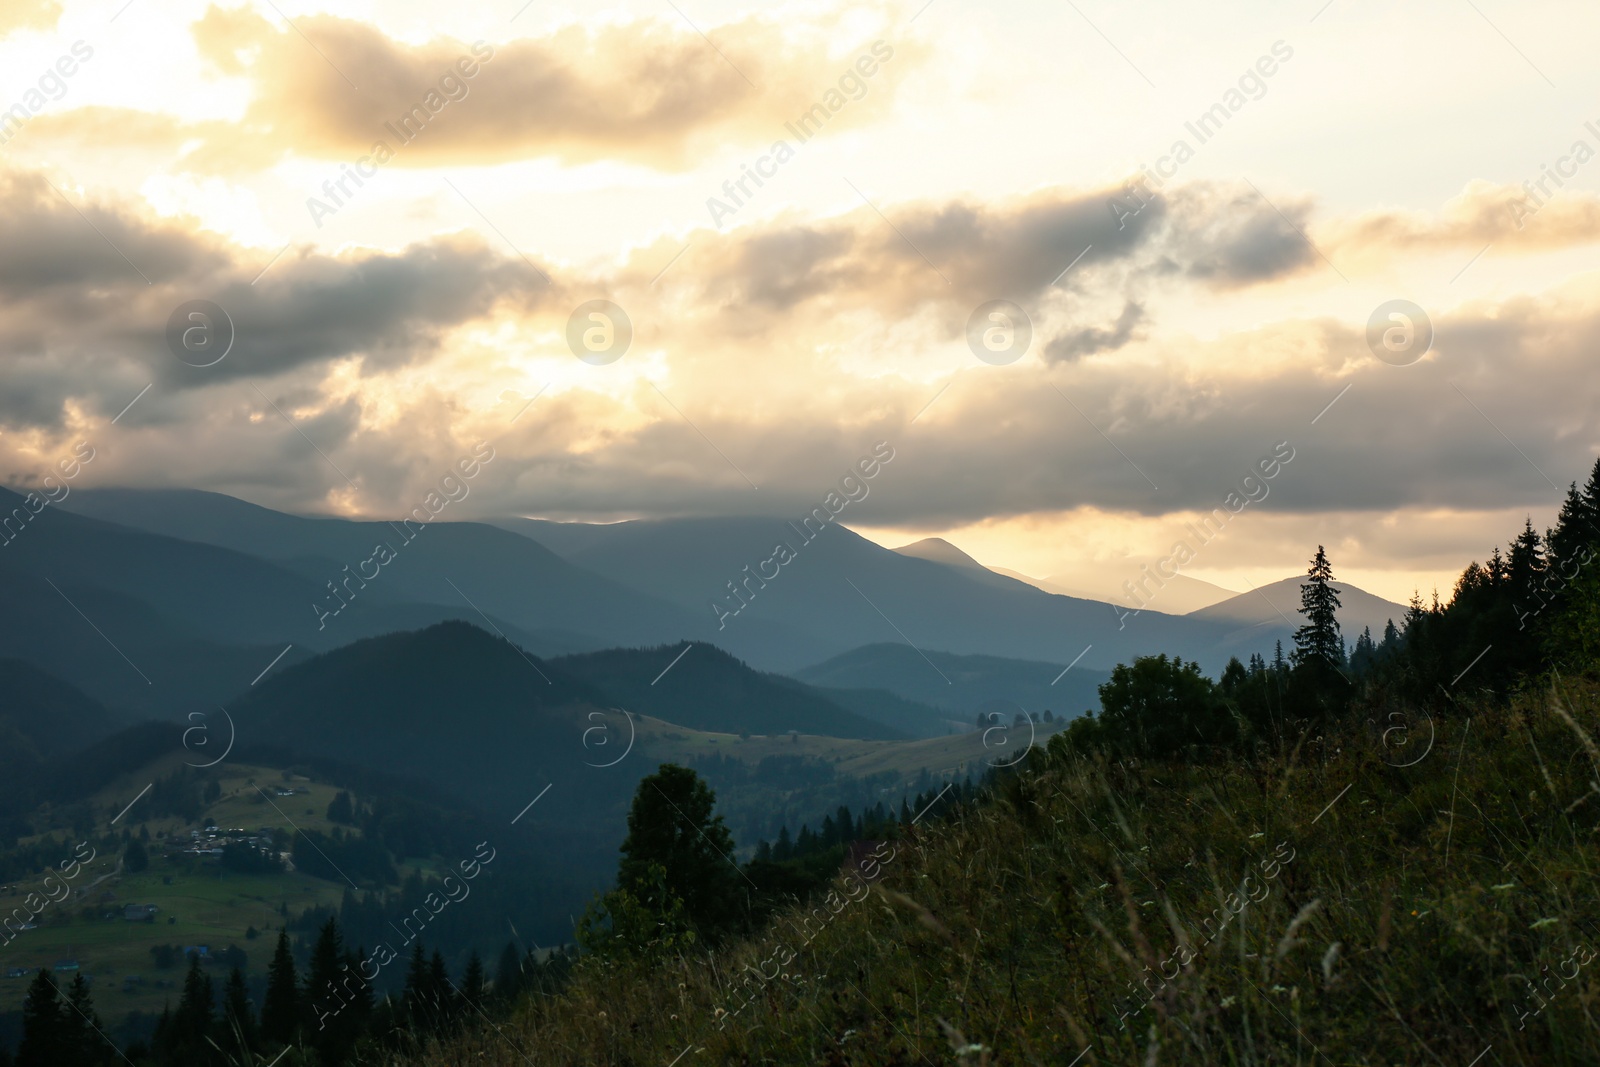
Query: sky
[1219,235]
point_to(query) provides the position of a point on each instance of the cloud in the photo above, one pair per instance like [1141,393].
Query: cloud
[92,287]
[646,91]
[389,360]
[1230,236]
[1509,216]
[953,256]
[28,15]
[1086,342]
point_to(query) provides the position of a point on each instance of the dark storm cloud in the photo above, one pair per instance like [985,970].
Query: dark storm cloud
[1228,237]
[86,291]
[1086,342]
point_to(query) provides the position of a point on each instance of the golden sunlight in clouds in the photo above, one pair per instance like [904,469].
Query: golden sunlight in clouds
[801,210]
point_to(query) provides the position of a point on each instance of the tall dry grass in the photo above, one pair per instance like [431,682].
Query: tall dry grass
[1099,913]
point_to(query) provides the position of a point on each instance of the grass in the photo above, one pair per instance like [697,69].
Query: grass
[957,754]
[211,906]
[1099,913]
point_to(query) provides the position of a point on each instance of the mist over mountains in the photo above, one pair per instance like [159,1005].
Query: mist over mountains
[201,591]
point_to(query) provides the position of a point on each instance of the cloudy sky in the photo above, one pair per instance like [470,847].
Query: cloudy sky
[405,210]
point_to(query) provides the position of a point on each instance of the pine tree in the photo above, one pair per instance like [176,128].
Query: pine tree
[1590,514]
[323,999]
[1496,567]
[1526,567]
[473,984]
[280,1010]
[1319,639]
[1572,531]
[1365,654]
[440,991]
[340,809]
[181,1037]
[82,1027]
[418,994]
[1391,640]
[508,973]
[356,988]
[44,1031]
[194,1013]
[673,823]
[135,857]
[237,1011]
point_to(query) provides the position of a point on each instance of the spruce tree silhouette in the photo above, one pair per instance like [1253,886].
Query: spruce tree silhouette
[672,824]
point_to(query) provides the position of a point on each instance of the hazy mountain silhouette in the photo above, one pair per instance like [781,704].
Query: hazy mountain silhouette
[1179,595]
[452,566]
[452,705]
[961,685]
[932,604]
[1275,609]
[708,689]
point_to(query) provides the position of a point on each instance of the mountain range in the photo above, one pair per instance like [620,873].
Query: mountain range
[162,601]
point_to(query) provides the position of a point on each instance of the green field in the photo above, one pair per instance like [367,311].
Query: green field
[201,904]
[198,902]
[956,755]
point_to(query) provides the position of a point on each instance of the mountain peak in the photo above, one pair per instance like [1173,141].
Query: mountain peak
[938,550]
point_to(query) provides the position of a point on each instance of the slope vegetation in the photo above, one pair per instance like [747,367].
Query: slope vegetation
[1337,904]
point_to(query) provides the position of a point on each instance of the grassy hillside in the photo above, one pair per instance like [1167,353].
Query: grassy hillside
[700,685]
[198,902]
[961,685]
[955,755]
[1374,897]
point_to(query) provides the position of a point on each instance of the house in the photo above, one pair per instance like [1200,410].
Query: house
[64,965]
[17,972]
[203,951]
[140,913]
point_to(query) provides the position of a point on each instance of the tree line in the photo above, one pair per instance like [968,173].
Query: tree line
[1533,606]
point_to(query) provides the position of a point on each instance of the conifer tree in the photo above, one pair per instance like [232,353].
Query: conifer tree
[1319,639]
[237,1011]
[323,998]
[194,1014]
[673,823]
[1526,566]
[418,995]
[508,973]
[473,985]
[44,1031]
[135,857]
[83,1028]
[440,992]
[280,1009]
[340,809]
[1590,513]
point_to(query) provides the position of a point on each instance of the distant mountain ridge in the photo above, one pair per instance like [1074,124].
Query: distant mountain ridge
[700,686]
[962,685]
[231,573]
[1278,605]
[843,591]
